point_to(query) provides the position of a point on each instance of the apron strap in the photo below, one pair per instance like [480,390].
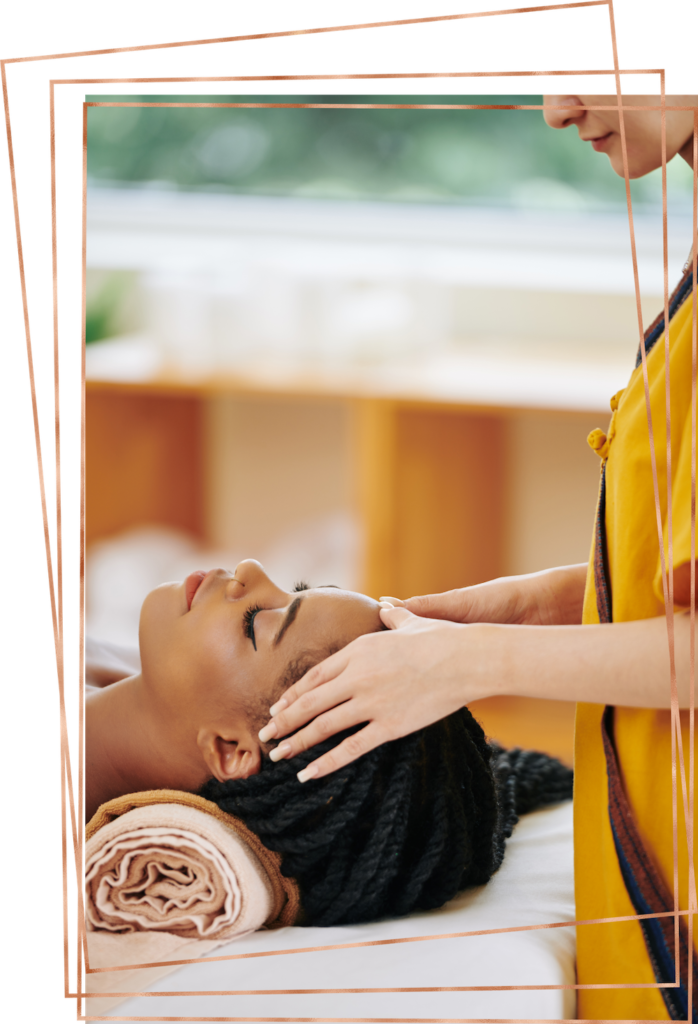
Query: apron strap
[645,886]
[656,328]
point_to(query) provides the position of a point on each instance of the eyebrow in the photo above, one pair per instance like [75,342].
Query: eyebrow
[288,620]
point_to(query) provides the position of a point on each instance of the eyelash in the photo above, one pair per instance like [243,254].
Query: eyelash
[301,585]
[247,623]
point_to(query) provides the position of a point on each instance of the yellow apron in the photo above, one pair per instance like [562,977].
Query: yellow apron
[617,953]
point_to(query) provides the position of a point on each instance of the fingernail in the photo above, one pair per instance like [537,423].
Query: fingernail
[278,752]
[268,732]
[386,604]
[308,773]
[279,706]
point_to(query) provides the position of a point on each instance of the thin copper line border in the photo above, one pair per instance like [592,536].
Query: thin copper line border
[676,913]
[380,106]
[470,988]
[393,942]
[370,106]
[315,31]
[382,1020]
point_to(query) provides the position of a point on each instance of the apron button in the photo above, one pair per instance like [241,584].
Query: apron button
[599,442]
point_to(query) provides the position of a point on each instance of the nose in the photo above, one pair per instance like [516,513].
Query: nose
[562,118]
[248,570]
[250,580]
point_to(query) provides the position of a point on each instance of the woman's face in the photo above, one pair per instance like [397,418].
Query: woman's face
[220,642]
[643,128]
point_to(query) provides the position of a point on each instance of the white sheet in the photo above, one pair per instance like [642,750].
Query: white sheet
[533,886]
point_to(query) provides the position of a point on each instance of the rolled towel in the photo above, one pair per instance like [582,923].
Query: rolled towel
[174,862]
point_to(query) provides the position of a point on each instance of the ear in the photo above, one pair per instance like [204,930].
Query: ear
[229,755]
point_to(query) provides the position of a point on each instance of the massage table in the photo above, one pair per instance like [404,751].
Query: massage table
[534,886]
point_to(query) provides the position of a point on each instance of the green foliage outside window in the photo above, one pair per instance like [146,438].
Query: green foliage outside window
[489,157]
[108,313]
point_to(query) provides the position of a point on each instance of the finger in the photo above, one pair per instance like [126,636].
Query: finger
[347,751]
[303,712]
[395,618]
[394,601]
[450,605]
[321,673]
[308,706]
[336,719]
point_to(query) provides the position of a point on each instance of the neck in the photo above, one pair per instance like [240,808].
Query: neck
[128,748]
[686,150]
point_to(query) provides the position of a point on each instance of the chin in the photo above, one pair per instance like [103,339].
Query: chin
[633,171]
[160,606]
[167,594]
[638,165]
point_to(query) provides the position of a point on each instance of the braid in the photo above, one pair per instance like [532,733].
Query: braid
[530,780]
[403,828]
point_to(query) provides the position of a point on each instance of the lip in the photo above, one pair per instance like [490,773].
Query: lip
[599,143]
[192,584]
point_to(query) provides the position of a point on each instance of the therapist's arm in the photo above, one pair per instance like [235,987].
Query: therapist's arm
[553,597]
[422,670]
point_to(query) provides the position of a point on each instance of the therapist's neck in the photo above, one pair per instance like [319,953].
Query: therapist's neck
[130,749]
[686,150]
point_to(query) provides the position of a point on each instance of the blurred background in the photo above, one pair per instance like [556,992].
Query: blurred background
[364,346]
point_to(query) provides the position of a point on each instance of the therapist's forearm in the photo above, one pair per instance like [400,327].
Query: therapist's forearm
[553,597]
[556,595]
[626,663]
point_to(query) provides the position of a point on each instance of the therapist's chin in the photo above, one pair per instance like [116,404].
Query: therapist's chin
[638,164]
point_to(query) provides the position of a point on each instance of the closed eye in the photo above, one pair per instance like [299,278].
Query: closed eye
[248,623]
[302,585]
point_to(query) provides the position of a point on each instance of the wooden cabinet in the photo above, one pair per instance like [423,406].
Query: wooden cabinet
[431,486]
[143,460]
[428,481]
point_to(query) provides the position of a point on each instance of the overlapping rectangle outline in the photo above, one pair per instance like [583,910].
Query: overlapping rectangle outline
[195,104]
[667,568]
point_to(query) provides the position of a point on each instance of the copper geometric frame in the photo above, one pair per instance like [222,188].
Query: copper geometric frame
[55,591]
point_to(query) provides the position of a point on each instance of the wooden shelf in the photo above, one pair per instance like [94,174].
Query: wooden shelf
[473,378]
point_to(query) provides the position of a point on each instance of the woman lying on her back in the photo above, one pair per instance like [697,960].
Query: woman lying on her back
[403,828]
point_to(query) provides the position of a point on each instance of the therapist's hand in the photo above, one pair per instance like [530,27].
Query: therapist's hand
[553,597]
[396,682]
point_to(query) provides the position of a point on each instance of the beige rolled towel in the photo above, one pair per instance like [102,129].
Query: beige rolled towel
[167,875]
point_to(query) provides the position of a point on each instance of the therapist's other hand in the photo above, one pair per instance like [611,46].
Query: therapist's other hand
[553,597]
[388,680]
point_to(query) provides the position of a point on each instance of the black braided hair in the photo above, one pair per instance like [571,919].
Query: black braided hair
[404,827]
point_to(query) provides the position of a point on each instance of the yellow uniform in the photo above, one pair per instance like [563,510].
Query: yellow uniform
[617,953]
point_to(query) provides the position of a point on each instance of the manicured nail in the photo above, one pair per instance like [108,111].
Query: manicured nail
[279,706]
[308,773]
[281,751]
[268,732]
